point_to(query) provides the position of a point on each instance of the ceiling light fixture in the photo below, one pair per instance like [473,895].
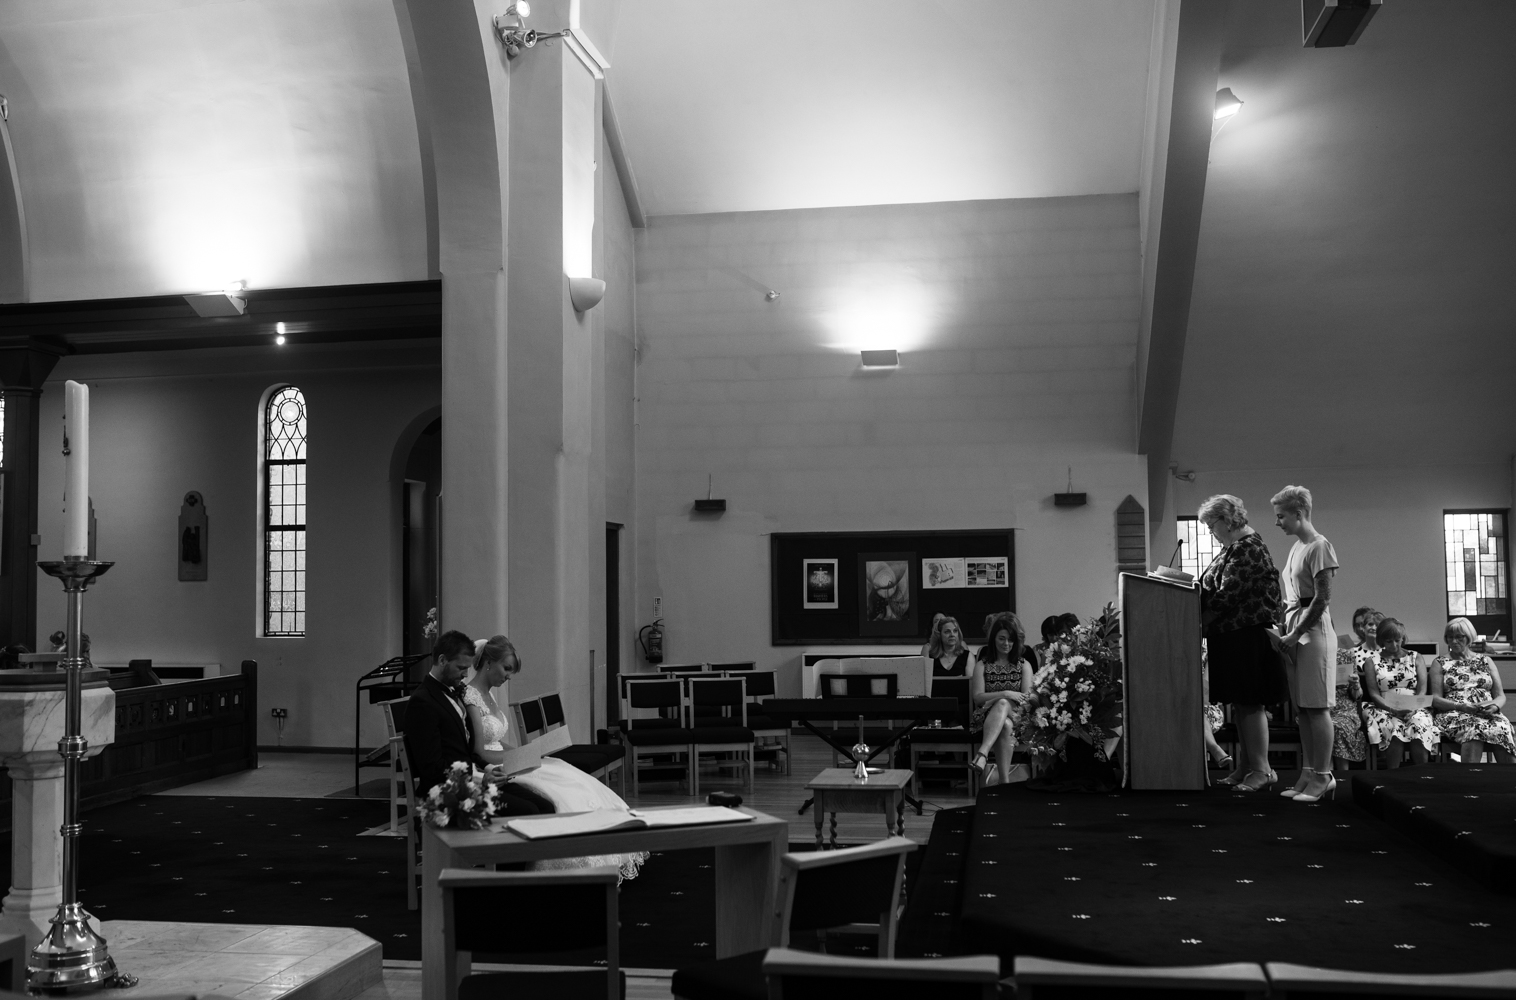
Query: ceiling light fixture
[1227,103]
[881,359]
[586,293]
[279,334]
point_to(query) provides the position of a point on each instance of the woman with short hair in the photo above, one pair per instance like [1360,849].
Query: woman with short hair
[1348,741]
[1239,603]
[1309,640]
[1397,670]
[1468,698]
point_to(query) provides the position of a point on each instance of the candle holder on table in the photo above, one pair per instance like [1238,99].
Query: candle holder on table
[72,956]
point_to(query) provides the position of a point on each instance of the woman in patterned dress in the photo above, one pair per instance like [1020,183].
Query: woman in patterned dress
[1468,697]
[1239,601]
[1348,741]
[1394,669]
[1001,686]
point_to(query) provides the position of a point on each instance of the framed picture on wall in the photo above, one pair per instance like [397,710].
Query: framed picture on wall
[942,574]
[819,584]
[987,571]
[888,601]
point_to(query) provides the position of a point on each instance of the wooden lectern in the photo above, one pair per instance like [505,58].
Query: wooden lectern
[1160,640]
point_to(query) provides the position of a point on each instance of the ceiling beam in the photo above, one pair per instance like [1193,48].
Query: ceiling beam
[1181,146]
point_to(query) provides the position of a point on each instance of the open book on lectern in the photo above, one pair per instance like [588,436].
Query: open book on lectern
[608,820]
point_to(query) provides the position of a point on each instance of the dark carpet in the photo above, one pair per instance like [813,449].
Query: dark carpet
[302,861]
[1152,878]
[1466,815]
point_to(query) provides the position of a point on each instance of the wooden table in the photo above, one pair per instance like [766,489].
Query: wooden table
[836,790]
[747,866]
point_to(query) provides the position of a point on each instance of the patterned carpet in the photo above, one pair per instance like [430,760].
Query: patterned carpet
[1152,878]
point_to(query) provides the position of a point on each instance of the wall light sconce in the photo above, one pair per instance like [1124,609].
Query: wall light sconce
[881,359]
[586,293]
[771,296]
[513,33]
[1227,103]
[279,334]
[230,301]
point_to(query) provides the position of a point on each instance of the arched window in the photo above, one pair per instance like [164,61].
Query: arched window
[284,436]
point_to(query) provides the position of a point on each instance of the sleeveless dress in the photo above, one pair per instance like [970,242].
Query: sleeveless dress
[1348,741]
[960,667]
[1398,675]
[1000,677]
[1468,680]
[561,783]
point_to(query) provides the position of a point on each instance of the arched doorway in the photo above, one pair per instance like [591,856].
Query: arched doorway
[421,485]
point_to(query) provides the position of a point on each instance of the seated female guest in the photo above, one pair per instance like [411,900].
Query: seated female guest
[1397,670]
[566,787]
[1001,685]
[1468,698]
[1239,601]
[1348,742]
[1310,642]
[949,656]
[1051,628]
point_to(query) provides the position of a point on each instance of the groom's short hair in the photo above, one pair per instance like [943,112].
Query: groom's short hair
[450,645]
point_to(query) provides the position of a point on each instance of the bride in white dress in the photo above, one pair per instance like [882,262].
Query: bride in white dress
[564,785]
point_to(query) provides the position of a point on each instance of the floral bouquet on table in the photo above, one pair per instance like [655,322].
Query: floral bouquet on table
[1078,691]
[464,800]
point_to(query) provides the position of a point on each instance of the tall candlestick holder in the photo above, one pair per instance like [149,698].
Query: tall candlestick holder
[72,956]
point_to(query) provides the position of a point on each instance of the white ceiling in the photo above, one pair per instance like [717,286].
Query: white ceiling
[733,106]
[1354,301]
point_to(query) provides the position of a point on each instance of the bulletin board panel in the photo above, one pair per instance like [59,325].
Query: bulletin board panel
[854,607]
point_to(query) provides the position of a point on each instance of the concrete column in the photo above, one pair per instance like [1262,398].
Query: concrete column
[554,139]
[23,369]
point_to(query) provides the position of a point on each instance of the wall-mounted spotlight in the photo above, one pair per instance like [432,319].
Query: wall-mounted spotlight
[279,334]
[771,296]
[513,33]
[586,293]
[1227,103]
[881,359]
[230,301]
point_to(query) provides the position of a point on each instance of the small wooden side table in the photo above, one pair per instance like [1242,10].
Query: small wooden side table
[836,790]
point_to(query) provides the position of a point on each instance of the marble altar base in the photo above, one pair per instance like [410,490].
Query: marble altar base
[245,961]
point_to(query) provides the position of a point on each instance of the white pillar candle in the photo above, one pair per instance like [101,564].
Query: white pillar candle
[75,469]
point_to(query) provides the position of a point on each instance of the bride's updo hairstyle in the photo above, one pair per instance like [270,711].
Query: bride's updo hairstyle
[498,649]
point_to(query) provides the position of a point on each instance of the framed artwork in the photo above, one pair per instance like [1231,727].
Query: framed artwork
[819,584]
[987,571]
[888,596]
[942,573]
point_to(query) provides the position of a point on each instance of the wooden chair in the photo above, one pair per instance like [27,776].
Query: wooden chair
[655,736]
[1037,977]
[571,910]
[853,889]
[761,685]
[13,963]
[804,975]
[956,742]
[1287,979]
[403,796]
[599,760]
[723,729]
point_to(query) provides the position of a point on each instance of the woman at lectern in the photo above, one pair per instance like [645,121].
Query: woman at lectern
[1239,602]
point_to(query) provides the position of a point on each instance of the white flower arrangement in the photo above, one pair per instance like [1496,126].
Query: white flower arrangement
[463,800]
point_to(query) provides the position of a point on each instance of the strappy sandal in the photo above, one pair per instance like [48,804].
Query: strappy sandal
[1226,763]
[980,761]
[1243,786]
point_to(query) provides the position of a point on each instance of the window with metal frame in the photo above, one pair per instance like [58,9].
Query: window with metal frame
[1199,546]
[284,540]
[1476,565]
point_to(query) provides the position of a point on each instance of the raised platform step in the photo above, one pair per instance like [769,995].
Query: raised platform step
[1461,814]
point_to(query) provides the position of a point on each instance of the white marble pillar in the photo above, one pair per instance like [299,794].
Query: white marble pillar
[31,723]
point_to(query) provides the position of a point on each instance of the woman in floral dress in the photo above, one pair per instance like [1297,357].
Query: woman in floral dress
[1348,742]
[1395,669]
[1467,696]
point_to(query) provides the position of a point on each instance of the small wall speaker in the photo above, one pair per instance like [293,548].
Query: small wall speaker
[1069,500]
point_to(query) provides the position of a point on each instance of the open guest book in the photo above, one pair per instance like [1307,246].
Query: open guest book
[608,820]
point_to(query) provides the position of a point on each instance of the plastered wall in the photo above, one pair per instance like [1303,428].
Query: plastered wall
[1017,325]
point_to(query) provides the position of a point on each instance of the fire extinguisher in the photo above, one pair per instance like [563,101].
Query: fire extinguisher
[650,638]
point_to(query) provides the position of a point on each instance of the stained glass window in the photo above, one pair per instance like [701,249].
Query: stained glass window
[284,436]
[1475,559]
[1199,546]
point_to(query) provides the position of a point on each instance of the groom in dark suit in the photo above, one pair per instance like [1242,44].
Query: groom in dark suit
[438,732]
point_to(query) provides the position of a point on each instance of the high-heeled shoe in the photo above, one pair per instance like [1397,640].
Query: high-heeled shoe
[1243,786]
[1226,763]
[1292,791]
[1231,779]
[1329,790]
[981,759]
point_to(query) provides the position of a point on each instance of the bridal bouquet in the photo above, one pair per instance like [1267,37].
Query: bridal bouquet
[1078,691]
[464,799]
